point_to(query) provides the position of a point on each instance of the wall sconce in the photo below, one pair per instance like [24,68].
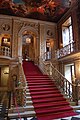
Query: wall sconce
[28,40]
[5,40]
[48,44]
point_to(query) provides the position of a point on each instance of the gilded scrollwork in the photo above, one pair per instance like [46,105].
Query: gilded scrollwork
[31,24]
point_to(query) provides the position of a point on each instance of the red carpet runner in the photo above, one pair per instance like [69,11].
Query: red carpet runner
[48,102]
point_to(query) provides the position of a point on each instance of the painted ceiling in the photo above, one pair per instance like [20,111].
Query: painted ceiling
[46,10]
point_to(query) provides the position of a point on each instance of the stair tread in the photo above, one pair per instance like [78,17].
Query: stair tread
[21,113]
[46,96]
[42,75]
[48,100]
[44,92]
[42,85]
[38,89]
[39,83]
[52,116]
[39,86]
[47,110]
[38,78]
[52,104]
[44,81]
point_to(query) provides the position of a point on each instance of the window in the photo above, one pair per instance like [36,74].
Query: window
[67,35]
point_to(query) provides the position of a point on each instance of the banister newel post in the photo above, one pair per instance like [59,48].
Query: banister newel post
[76,92]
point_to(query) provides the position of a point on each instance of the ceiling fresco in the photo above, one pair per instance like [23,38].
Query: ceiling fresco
[46,10]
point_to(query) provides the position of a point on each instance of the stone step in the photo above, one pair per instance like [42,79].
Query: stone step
[77,117]
[22,109]
[76,107]
[22,114]
[28,102]
[28,97]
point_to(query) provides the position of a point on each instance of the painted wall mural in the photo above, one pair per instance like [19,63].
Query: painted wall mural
[47,10]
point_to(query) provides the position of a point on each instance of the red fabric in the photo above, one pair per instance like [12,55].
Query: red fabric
[48,102]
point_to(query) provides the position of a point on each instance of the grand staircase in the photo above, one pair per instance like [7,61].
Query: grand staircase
[48,102]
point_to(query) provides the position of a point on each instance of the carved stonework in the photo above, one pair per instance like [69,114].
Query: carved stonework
[16,28]
[42,38]
[49,33]
[5,27]
[31,24]
[78,16]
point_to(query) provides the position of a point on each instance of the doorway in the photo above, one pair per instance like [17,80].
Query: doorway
[4,76]
[28,46]
[69,72]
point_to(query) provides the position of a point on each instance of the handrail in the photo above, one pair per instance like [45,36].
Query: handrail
[62,83]
[21,75]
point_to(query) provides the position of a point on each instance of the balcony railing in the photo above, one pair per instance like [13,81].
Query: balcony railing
[47,56]
[5,51]
[68,49]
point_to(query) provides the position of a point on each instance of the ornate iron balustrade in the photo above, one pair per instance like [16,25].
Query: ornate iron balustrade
[5,51]
[21,87]
[67,88]
[68,49]
[46,56]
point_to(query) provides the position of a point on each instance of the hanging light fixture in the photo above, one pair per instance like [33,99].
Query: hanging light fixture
[28,40]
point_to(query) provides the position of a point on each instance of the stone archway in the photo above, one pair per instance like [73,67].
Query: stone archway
[33,51]
[28,45]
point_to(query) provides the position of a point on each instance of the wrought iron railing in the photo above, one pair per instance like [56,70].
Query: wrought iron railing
[68,49]
[67,88]
[46,55]
[5,51]
[20,88]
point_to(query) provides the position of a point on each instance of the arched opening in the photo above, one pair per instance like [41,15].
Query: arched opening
[5,45]
[28,46]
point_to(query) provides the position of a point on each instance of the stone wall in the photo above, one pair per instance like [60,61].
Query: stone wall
[15,27]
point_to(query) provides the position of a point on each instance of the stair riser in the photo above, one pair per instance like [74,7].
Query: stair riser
[36,76]
[40,97]
[28,99]
[43,78]
[43,89]
[50,106]
[39,93]
[50,100]
[37,86]
[52,111]
[40,81]
[44,84]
